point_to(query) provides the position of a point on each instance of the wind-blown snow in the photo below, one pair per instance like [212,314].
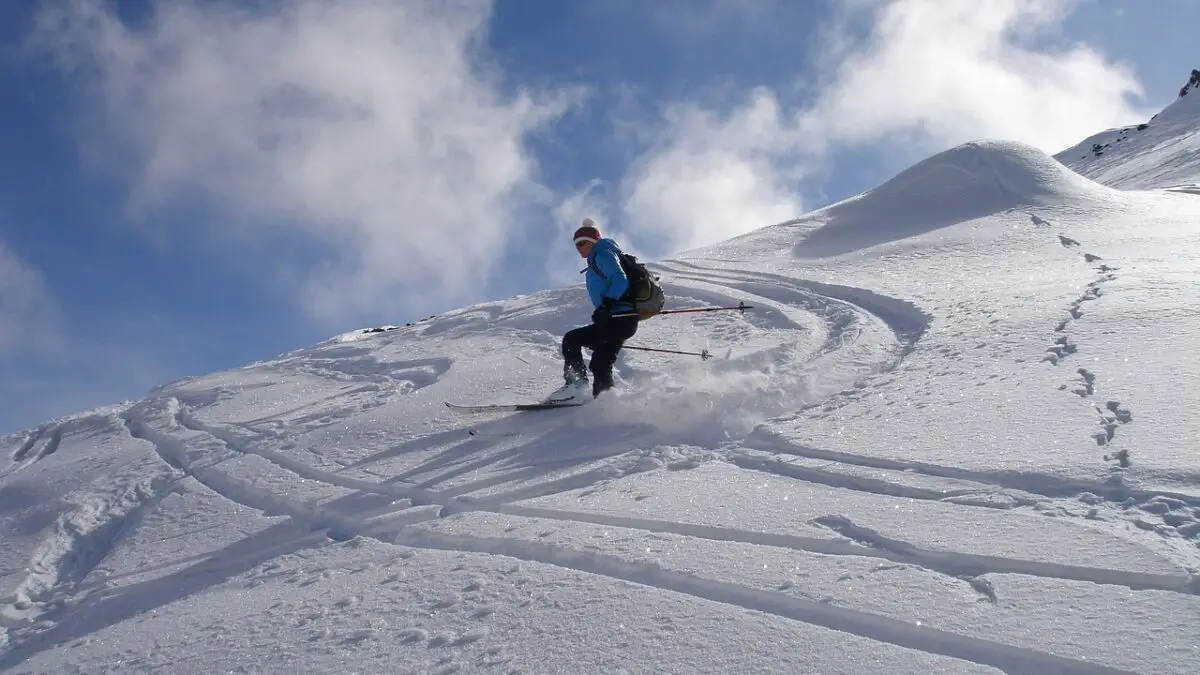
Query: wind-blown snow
[954,434]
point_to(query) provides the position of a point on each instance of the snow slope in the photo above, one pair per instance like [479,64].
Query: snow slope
[1163,152]
[953,435]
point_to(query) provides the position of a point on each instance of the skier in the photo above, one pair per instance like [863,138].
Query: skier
[606,284]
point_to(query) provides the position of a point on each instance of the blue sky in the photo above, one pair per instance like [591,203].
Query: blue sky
[191,186]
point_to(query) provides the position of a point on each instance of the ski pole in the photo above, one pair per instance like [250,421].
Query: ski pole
[703,354]
[741,307]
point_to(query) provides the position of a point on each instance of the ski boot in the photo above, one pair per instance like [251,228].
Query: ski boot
[576,389]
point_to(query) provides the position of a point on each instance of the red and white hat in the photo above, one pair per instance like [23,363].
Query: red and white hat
[587,232]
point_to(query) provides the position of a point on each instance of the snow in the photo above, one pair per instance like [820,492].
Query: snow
[1163,152]
[953,434]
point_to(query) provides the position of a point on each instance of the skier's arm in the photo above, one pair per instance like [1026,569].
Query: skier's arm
[610,267]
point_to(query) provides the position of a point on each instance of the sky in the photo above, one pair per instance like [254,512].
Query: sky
[190,186]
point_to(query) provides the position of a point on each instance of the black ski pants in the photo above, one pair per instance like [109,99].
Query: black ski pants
[605,340]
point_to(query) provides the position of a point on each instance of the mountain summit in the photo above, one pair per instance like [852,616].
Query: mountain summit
[1160,153]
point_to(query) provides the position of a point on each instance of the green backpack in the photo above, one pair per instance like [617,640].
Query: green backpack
[644,293]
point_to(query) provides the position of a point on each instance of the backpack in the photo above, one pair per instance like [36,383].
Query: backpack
[644,293]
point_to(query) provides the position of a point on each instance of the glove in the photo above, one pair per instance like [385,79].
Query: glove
[603,313]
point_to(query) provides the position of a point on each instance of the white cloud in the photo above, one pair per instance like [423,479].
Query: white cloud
[917,77]
[949,71]
[562,267]
[373,133]
[29,315]
[714,177]
[584,203]
[367,130]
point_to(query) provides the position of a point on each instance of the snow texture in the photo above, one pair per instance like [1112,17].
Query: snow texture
[955,434]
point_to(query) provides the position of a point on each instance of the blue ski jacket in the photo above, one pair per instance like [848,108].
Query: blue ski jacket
[611,281]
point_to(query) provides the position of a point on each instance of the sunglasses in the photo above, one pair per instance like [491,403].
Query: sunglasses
[580,243]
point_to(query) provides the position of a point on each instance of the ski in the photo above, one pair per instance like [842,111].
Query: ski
[510,407]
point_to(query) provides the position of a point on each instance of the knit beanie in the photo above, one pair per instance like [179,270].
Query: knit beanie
[587,231]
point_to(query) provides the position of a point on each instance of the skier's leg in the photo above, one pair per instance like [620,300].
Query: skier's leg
[604,355]
[572,350]
[575,377]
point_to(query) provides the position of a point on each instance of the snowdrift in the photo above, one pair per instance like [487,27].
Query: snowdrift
[970,181]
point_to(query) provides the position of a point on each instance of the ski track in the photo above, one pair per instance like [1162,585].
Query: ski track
[1049,486]
[771,463]
[375,523]
[31,439]
[1178,513]
[81,536]
[458,500]
[874,545]
[845,309]
[848,314]
[80,540]
[1010,659]
[49,436]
